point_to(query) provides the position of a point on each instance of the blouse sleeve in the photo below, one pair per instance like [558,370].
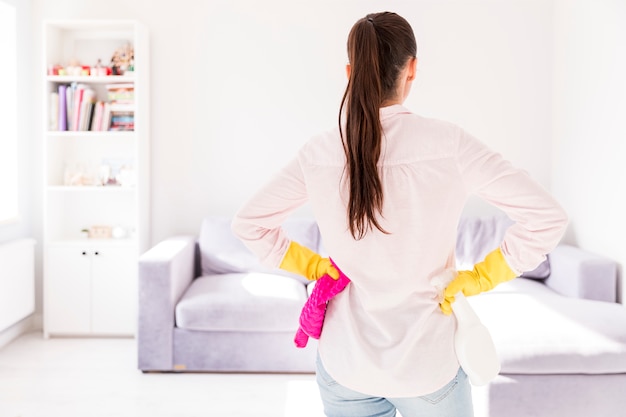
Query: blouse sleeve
[540,221]
[258,222]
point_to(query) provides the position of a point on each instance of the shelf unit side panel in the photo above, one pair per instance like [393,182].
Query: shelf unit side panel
[142,91]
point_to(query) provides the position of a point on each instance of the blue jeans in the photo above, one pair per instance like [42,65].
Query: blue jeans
[453,400]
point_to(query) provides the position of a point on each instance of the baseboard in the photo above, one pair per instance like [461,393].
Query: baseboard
[26,325]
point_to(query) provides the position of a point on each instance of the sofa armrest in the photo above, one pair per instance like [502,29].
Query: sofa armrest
[582,274]
[165,272]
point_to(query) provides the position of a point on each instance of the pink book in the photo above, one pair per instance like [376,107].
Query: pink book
[78,101]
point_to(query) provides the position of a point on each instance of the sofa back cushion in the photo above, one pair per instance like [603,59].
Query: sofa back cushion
[222,252]
[477,236]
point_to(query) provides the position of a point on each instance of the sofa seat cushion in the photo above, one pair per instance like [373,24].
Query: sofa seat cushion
[254,302]
[538,331]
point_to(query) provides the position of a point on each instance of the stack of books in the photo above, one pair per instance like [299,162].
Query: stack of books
[74,107]
[122,120]
[121,97]
[121,93]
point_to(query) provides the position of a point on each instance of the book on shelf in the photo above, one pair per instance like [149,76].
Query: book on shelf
[76,106]
[106,117]
[69,106]
[62,107]
[85,106]
[122,120]
[87,119]
[121,93]
[96,124]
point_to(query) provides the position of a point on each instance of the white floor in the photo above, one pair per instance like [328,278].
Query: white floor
[98,378]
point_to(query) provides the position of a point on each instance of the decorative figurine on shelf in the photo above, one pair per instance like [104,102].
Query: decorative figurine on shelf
[119,232]
[118,172]
[79,174]
[98,232]
[122,61]
[100,70]
[74,68]
[56,69]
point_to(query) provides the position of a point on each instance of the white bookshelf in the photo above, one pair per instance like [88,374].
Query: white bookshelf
[90,283]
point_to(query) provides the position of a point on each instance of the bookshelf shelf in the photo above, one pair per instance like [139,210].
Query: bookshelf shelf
[90,189]
[89,135]
[100,243]
[90,284]
[90,79]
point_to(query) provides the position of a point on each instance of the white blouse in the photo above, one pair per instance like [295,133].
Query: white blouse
[384,335]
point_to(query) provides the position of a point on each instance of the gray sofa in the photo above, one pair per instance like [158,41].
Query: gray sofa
[206,304]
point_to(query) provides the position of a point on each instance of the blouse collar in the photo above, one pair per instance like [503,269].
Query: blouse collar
[389,111]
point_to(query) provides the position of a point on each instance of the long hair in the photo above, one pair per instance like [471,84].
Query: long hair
[379,46]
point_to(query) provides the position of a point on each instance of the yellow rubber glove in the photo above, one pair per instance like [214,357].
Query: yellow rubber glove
[485,275]
[303,261]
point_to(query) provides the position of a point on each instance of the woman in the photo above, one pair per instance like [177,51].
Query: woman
[387,188]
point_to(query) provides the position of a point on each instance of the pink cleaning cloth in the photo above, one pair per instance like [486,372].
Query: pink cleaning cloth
[314,310]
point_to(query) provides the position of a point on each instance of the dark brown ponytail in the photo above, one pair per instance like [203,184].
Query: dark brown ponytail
[379,46]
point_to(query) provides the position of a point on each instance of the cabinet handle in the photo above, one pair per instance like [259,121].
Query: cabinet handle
[96,253]
[84,253]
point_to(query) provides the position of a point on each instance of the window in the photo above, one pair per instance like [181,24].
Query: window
[8,113]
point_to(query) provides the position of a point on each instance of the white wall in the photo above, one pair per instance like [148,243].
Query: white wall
[29,193]
[589,123]
[238,86]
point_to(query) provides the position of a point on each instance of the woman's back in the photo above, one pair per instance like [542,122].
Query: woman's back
[387,189]
[390,305]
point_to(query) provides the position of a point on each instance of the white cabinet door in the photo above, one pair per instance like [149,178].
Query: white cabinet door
[114,291]
[68,291]
[91,290]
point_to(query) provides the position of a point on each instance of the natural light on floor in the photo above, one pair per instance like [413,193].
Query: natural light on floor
[75,377]
[303,399]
